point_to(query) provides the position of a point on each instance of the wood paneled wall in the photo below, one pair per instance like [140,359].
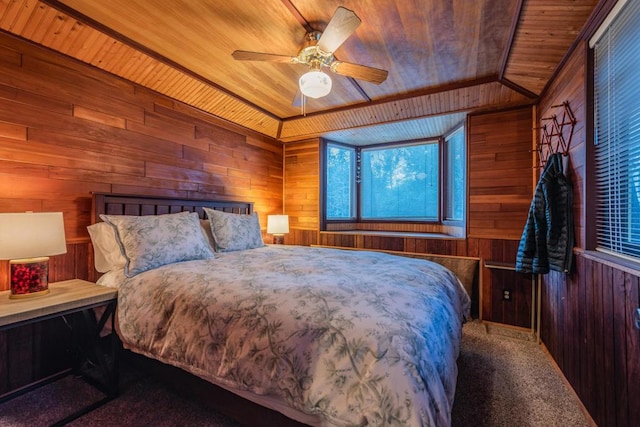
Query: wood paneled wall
[587,326]
[67,129]
[587,316]
[570,86]
[500,191]
[500,173]
[302,192]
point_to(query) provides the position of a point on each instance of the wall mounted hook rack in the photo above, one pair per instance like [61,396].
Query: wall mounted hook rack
[556,133]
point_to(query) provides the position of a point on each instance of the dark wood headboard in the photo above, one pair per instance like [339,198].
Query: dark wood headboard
[123,204]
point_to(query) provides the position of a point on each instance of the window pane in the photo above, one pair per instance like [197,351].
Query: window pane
[340,189]
[617,134]
[456,171]
[400,182]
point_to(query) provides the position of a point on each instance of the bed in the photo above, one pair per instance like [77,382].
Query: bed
[323,336]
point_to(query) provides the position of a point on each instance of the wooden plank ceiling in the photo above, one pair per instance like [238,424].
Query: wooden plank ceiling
[445,57]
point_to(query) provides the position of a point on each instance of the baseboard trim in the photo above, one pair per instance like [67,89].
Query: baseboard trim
[585,412]
[510,331]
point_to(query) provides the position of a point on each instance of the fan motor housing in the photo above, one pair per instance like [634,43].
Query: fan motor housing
[311,54]
[312,38]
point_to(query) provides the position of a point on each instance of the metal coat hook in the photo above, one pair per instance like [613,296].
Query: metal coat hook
[556,135]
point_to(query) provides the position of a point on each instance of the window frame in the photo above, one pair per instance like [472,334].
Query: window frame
[446,184]
[442,178]
[323,184]
[592,206]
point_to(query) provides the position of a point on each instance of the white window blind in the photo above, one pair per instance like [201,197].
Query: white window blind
[617,133]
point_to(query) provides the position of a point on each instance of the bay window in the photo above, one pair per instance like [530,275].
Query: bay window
[417,181]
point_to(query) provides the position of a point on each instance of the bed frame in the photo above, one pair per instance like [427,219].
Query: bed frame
[186,384]
[122,204]
[189,385]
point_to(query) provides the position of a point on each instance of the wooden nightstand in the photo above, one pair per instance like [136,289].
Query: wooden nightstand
[65,298]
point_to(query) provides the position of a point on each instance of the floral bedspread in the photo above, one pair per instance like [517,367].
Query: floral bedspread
[354,337]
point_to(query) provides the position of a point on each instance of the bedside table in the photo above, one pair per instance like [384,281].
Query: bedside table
[65,298]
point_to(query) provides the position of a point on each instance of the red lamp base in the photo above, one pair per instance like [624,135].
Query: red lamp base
[29,277]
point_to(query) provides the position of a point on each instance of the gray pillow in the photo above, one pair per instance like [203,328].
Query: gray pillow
[153,240]
[234,232]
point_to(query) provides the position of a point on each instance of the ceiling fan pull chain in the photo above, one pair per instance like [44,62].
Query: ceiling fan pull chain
[304,105]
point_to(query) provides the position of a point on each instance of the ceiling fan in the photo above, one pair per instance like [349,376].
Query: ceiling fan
[317,53]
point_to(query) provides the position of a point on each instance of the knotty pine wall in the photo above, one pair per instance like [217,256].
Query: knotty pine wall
[587,316]
[500,188]
[68,129]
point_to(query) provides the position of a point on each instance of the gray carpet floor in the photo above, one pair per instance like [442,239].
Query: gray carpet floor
[502,381]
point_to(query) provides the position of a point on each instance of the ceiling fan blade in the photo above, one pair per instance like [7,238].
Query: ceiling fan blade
[243,55]
[360,72]
[343,23]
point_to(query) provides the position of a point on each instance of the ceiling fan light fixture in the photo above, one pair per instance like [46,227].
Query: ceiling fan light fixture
[315,84]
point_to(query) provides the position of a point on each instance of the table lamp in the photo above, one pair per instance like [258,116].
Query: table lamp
[278,225]
[28,239]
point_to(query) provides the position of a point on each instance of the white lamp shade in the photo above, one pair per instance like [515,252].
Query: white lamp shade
[315,84]
[277,224]
[31,235]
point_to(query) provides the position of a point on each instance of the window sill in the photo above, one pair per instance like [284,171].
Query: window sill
[403,234]
[613,261]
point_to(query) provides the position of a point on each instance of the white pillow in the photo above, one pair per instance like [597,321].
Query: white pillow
[234,232]
[107,252]
[153,240]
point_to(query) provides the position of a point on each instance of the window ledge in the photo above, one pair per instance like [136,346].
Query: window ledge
[613,261]
[409,234]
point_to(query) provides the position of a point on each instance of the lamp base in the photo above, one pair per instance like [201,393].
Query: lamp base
[29,277]
[278,239]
